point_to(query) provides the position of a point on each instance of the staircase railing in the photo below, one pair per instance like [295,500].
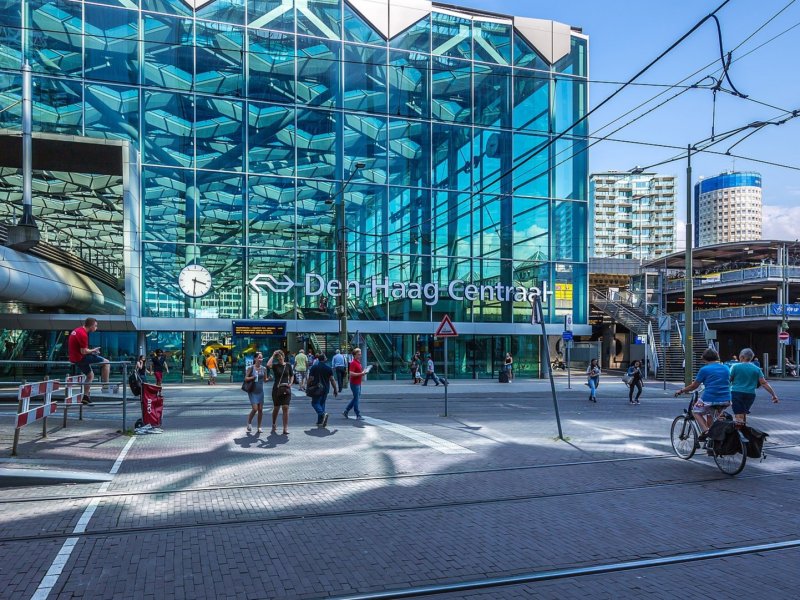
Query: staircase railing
[620,312]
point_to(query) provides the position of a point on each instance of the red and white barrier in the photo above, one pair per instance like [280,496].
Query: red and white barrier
[26,414]
[73,394]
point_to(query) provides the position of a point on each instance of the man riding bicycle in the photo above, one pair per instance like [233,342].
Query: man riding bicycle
[717,394]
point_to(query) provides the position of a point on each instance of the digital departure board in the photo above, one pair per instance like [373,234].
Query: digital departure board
[260,328]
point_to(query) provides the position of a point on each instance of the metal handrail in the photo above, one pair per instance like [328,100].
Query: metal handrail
[653,348]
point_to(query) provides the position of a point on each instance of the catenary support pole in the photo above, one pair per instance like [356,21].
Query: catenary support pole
[539,316]
[688,294]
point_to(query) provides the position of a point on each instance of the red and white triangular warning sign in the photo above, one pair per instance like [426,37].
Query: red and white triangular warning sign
[446,328]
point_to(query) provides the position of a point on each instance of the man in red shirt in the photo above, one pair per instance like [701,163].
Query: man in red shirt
[84,357]
[356,373]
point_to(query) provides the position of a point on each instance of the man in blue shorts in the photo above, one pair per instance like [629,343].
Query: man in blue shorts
[84,357]
[717,393]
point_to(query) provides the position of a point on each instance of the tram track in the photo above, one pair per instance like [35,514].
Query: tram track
[305,516]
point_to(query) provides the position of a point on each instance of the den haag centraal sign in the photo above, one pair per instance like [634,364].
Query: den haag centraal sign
[458,289]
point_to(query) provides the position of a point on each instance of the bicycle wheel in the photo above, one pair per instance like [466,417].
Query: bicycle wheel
[683,436]
[732,464]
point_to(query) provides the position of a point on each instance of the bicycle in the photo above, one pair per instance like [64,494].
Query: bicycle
[685,433]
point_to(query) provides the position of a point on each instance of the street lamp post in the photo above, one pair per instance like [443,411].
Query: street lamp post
[688,294]
[341,259]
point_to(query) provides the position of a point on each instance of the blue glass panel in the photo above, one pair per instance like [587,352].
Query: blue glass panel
[268,305]
[571,165]
[226,11]
[492,42]
[111,44]
[416,38]
[171,7]
[451,90]
[271,14]
[220,211]
[526,56]
[409,153]
[55,37]
[57,106]
[168,52]
[364,78]
[271,138]
[574,63]
[492,87]
[219,59]
[531,100]
[271,66]
[455,219]
[318,81]
[219,133]
[10,100]
[130,4]
[365,141]
[571,101]
[161,265]
[321,18]
[531,228]
[410,223]
[531,165]
[569,231]
[316,220]
[10,34]
[271,212]
[169,199]
[451,36]
[493,159]
[319,144]
[323,264]
[366,221]
[452,157]
[409,89]
[112,112]
[168,129]
[357,29]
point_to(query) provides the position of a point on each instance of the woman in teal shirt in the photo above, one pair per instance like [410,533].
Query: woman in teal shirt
[745,378]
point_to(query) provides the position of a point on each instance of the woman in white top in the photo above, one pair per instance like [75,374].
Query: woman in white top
[256,373]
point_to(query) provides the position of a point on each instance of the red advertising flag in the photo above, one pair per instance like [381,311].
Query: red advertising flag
[152,404]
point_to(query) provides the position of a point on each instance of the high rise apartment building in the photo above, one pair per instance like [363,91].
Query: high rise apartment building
[727,208]
[633,214]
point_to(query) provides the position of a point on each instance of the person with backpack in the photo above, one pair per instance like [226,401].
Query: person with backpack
[634,376]
[318,386]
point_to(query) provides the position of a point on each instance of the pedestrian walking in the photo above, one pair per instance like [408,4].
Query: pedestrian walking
[211,365]
[281,389]
[321,374]
[593,379]
[159,365]
[141,368]
[745,378]
[356,374]
[84,357]
[414,367]
[339,365]
[635,376]
[301,368]
[256,373]
[430,371]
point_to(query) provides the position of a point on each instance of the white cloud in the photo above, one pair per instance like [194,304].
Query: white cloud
[780,222]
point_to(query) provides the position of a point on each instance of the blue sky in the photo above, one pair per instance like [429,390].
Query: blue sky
[626,35]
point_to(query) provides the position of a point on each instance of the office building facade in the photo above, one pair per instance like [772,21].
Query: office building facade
[727,208]
[633,215]
[243,125]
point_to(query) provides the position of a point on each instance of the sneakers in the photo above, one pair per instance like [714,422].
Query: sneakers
[249,428]
[325,419]
[260,430]
[359,418]
[345,415]
[86,401]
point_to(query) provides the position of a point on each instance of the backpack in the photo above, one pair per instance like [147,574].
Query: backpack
[135,383]
[314,386]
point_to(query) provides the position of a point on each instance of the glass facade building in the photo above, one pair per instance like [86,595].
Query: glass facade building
[252,120]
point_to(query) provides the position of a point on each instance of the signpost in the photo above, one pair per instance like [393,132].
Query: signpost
[446,329]
[567,337]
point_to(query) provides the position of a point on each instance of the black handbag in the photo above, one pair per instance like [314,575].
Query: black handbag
[283,392]
[249,386]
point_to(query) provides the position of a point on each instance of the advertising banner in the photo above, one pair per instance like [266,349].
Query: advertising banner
[152,404]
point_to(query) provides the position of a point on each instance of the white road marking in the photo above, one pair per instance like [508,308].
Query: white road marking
[60,561]
[442,445]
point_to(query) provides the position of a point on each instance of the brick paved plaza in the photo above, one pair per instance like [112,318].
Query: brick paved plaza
[406,498]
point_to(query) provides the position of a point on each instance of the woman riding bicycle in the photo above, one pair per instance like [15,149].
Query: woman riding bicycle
[717,394]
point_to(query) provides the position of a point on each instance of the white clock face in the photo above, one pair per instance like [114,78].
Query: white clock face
[195,281]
